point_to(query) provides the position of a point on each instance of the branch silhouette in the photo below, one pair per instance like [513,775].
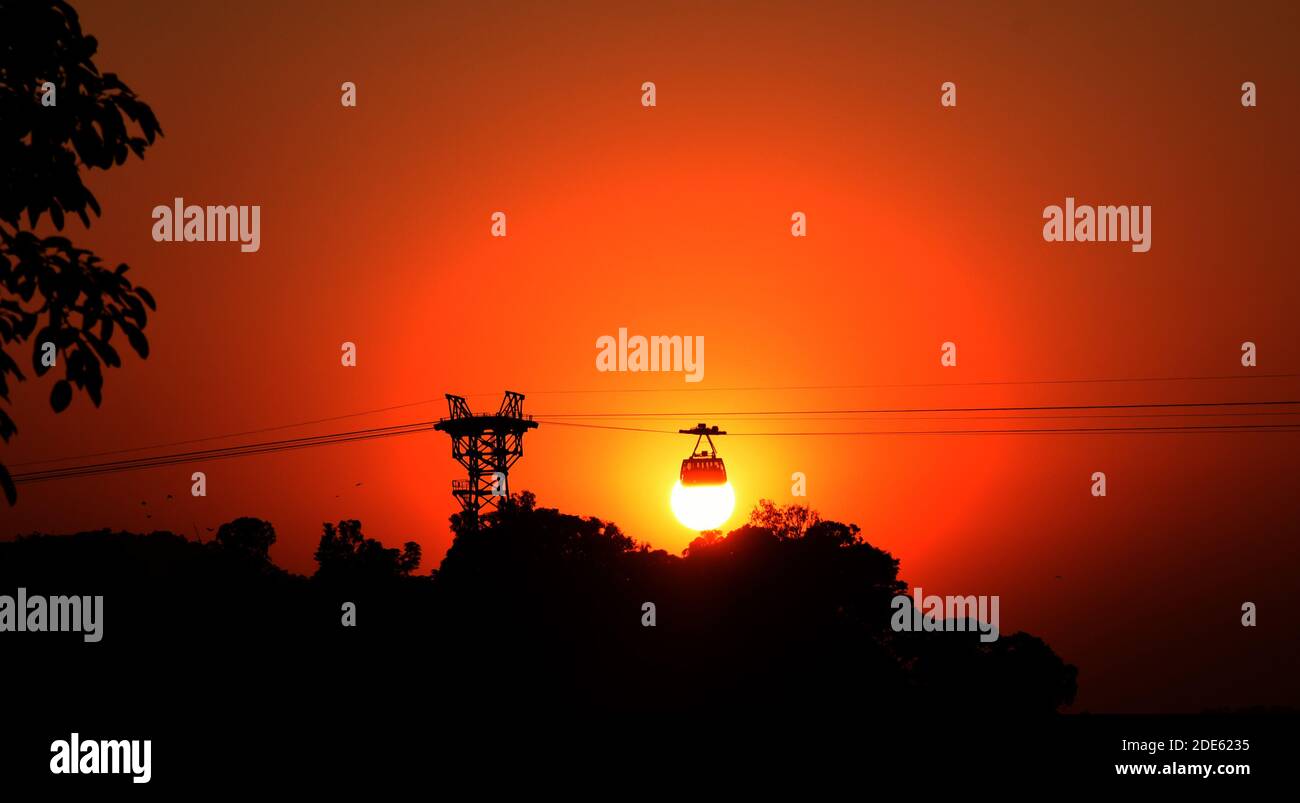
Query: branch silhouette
[59,116]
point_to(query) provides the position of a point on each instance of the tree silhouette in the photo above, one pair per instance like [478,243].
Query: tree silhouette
[59,114]
[248,538]
[344,553]
[790,521]
[537,611]
[793,612]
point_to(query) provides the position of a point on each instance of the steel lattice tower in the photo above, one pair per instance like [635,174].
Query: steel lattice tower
[487,446]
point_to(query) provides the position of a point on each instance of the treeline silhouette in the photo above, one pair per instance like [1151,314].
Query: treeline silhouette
[536,611]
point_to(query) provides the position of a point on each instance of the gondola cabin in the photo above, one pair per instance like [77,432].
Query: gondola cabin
[703,467]
[703,471]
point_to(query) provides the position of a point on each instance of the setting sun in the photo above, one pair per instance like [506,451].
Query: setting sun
[703,507]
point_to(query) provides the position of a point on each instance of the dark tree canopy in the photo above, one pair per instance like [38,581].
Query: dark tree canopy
[789,609]
[537,613]
[248,538]
[345,553]
[58,116]
[790,521]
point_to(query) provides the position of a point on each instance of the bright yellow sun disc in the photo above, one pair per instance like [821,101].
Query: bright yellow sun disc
[703,507]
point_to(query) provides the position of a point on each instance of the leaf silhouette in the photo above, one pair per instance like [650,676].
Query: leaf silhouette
[61,396]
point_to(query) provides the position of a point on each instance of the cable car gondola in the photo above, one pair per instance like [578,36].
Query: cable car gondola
[703,467]
[702,498]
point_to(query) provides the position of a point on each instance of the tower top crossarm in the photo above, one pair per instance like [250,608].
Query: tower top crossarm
[512,405]
[457,408]
[509,417]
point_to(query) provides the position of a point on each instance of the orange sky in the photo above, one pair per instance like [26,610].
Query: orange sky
[924,225]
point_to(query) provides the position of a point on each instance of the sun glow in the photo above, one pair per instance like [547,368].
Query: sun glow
[703,507]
